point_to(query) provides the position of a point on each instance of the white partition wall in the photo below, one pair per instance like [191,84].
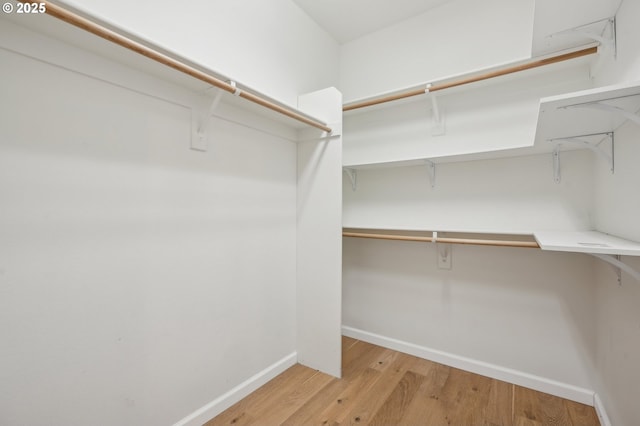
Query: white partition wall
[143,282]
[618,212]
[319,276]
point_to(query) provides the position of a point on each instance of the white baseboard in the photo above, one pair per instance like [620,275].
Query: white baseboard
[226,400]
[542,384]
[602,413]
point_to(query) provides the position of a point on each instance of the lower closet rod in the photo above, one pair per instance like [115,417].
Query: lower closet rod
[473,241]
[107,34]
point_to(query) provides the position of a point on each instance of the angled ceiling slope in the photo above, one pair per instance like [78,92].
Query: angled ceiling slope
[348,20]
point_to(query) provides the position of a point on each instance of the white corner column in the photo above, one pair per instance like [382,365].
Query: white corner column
[319,249]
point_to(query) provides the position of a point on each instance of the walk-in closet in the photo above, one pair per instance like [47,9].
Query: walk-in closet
[320,212]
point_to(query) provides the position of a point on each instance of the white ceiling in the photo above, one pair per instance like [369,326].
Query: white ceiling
[347,20]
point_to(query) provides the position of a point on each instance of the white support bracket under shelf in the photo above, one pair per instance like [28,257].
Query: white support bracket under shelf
[603,31]
[353,176]
[605,247]
[431,169]
[437,117]
[618,266]
[556,164]
[629,115]
[602,150]
[200,122]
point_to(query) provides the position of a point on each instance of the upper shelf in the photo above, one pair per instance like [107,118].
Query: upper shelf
[587,112]
[596,112]
[138,54]
[586,242]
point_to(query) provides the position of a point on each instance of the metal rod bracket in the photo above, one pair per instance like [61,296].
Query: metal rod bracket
[200,119]
[602,31]
[604,151]
[236,91]
[629,115]
[556,164]
[444,255]
[437,117]
[618,266]
[431,169]
[353,176]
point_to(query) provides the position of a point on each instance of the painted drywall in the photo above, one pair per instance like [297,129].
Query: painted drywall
[457,37]
[507,307]
[618,343]
[269,45]
[625,66]
[515,195]
[521,309]
[617,212]
[139,280]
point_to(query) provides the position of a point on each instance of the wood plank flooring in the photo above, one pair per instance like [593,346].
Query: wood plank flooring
[384,387]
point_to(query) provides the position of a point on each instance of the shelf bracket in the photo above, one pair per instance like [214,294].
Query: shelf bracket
[618,266]
[606,154]
[353,177]
[602,31]
[200,122]
[629,115]
[437,118]
[443,252]
[431,169]
[556,164]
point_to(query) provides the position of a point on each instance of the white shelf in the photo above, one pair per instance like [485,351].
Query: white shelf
[586,242]
[562,116]
[572,114]
[452,158]
[43,30]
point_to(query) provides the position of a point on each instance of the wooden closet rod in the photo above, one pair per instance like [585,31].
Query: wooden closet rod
[107,34]
[473,241]
[473,79]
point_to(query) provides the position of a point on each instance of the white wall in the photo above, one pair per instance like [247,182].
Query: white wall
[457,37]
[626,65]
[516,195]
[520,309]
[271,46]
[506,307]
[139,280]
[618,210]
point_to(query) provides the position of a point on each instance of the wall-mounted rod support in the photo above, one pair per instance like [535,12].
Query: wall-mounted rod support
[437,118]
[353,176]
[595,31]
[431,169]
[556,164]
[618,265]
[629,115]
[474,78]
[200,122]
[116,38]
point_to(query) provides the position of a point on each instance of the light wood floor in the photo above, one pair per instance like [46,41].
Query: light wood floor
[384,387]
